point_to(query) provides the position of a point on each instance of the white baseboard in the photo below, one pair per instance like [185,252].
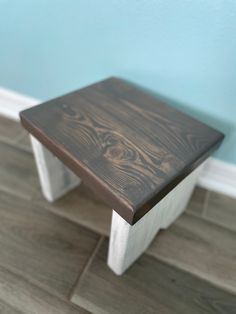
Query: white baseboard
[11,103]
[217,175]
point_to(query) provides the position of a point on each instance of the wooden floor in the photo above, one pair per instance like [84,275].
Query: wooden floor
[53,256]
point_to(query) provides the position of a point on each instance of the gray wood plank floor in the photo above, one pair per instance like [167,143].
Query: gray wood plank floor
[25,297]
[200,247]
[83,207]
[12,132]
[149,286]
[221,210]
[197,203]
[53,258]
[54,251]
[8,309]
[18,172]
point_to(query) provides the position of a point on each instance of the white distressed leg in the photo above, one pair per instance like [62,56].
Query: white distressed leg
[128,242]
[55,178]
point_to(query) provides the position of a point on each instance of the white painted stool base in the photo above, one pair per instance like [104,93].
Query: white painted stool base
[55,178]
[128,242]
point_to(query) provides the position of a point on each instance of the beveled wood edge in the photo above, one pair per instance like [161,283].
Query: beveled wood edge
[174,182]
[99,187]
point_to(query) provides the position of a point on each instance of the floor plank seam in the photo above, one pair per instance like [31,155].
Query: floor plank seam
[15,145]
[86,267]
[205,203]
[189,272]
[53,212]
[41,287]
[21,136]
[57,212]
[6,140]
[13,193]
[209,220]
[218,224]
[34,282]
[11,306]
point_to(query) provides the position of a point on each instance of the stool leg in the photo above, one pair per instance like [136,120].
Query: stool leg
[55,178]
[128,242]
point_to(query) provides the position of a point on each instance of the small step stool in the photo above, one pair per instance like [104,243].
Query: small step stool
[140,155]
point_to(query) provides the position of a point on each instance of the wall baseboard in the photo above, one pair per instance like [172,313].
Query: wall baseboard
[217,175]
[11,103]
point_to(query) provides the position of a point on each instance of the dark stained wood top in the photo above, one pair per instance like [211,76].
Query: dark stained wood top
[130,148]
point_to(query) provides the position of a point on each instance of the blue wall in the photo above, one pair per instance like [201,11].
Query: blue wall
[184,51]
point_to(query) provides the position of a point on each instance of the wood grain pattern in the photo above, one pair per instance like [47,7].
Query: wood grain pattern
[23,297]
[126,145]
[149,286]
[41,246]
[204,249]
[8,309]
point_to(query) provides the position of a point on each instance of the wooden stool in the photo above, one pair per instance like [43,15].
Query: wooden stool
[140,155]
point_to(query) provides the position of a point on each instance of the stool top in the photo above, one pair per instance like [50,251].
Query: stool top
[127,146]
